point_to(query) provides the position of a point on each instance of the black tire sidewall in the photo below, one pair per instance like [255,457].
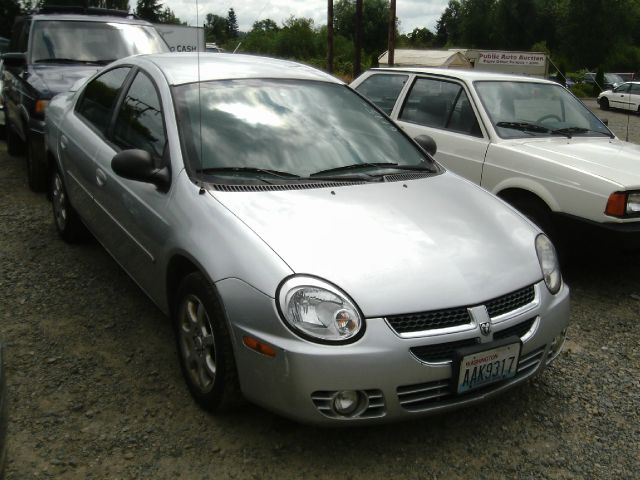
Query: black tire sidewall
[224,387]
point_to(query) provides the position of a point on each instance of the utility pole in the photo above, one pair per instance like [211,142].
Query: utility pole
[358,61]
[330,36]
[392,33]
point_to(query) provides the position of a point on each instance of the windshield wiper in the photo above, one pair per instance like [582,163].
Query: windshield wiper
[569,131]
[68,60]
[376,165]
[274,173]
[524,126]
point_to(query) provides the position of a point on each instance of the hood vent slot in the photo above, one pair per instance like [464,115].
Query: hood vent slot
[221,187]
[401,177]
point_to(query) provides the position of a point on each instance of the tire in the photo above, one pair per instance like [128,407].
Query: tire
[604,103]
[204,345]
[15,145]
[536,211]
[36,171]
[65,218]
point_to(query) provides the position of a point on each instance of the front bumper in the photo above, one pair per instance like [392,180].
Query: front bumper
[618,235]
[301,380]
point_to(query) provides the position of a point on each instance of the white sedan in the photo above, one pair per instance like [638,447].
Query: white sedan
[527,140]
[624,97]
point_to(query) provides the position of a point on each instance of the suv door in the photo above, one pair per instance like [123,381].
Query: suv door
[137,230]
[443,110]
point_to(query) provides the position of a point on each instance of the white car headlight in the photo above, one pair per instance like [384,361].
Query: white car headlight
[548,263]
[319,311]
[633,203]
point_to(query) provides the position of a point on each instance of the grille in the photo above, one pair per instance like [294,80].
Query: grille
[222,187]
[442,351]
[424,396]
[519,330]
[374,406]
[510,302]
[417,322]
[454,317]
[399,177]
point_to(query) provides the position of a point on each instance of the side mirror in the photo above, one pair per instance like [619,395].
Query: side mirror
[605,121]
[14,59]
[139,165]
[427,143]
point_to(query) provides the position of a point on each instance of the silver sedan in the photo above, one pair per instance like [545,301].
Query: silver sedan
[314,258]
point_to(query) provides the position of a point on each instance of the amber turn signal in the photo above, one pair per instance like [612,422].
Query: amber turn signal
[41,105]
[259,346]
[617,204]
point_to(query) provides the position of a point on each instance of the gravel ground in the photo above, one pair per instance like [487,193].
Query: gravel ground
[96,391]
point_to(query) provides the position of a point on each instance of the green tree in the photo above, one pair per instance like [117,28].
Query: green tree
[167,16]
[375,24]
[232,24]
[215,28]
[149,10]
[420,38]
[448,27]
[9,10]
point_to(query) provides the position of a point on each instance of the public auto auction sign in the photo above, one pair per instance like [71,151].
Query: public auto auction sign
[511,58]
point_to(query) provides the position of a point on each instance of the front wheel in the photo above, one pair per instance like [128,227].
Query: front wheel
[604,103]
[204,345]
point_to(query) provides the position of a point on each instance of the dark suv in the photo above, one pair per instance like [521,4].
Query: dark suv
[49,51]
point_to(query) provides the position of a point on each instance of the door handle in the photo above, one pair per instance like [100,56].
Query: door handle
[101,177]
[63,141]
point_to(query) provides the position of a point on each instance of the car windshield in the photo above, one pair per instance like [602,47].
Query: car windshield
[526,109]
[92,42]
[293,128]
[613,78]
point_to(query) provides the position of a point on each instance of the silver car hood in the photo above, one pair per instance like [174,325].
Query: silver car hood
[397,247]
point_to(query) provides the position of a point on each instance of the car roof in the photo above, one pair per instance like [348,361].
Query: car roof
[74,17]
[468,75]
[181,68]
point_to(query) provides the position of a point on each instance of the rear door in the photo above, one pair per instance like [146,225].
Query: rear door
[442,109]
[620,97]
[634,97]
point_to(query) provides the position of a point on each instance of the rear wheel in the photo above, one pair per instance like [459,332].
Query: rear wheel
[604,103]
[36,171]
[204,345]
[68,224]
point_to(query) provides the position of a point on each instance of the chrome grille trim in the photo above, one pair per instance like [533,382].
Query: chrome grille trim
[457,319]
[426,396]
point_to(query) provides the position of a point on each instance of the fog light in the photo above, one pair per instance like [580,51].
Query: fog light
[346,402]
[556,346]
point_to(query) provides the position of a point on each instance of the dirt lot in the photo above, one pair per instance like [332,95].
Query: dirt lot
[96,390]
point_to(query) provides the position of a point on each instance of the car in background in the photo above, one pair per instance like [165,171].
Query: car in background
[626,76]
[611,80]
[623,97]
[527,140]
[212,48]
[49,51]
[312,256]
[4,413]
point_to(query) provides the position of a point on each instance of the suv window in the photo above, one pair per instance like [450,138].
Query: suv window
[440,104]
[99,98]
[139,123]
[383,89]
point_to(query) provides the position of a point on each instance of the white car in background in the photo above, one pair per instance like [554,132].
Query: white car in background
[527,140]
[624,97]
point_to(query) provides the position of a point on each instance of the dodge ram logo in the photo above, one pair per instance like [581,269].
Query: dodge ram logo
[485,328]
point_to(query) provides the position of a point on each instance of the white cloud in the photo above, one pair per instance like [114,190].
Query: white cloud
[411,13]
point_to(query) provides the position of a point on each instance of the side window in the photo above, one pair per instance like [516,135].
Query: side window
[99,98]
[635,88]
[440,104]
[23,41]
[383,89]
[624,88]
[139,123]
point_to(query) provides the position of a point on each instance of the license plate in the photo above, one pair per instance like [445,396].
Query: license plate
[488,366]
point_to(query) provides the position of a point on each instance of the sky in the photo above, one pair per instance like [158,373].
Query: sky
[411,13]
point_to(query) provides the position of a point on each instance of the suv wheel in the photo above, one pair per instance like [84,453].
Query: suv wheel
[68,224]
[15,145]
[36,171]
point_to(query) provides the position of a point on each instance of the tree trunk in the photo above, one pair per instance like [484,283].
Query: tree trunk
[357,64]
[330,36]
[392,33]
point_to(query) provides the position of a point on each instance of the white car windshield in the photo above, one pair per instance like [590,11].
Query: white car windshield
[525,109]
[92,42]
[295,128]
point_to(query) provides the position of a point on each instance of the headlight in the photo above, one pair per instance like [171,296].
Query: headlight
[317,310]
[548,263]
[623,204]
